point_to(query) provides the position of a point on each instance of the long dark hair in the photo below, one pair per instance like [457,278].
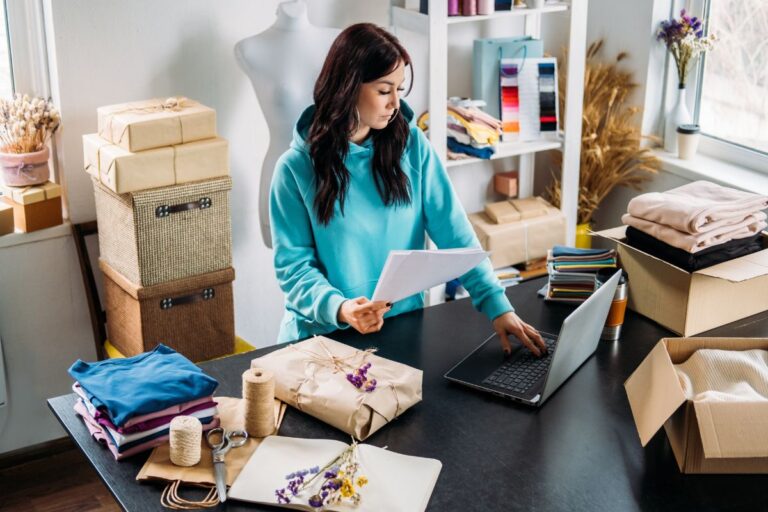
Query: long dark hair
[361,53]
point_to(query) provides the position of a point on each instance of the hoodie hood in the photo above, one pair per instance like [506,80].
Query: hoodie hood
[301,129]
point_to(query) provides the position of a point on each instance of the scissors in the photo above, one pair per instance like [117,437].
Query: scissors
[227,441]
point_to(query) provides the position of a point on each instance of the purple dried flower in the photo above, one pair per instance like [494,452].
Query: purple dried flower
[315,501]
[282,497]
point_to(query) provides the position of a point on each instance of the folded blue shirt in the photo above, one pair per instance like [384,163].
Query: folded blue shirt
[142,384]
[564,250]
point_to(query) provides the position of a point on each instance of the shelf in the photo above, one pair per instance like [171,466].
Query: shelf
[507,149]
[418,22]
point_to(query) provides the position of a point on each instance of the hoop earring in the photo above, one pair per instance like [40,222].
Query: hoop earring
[394,115]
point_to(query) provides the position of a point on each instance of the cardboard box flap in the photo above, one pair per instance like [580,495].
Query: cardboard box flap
[617,233]
[733,429]
[654,392]
[739,269]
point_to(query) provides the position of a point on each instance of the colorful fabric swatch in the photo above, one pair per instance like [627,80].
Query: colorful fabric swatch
[528,99]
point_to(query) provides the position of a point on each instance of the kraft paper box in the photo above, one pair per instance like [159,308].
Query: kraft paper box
[311,376]
[502,212]
[30,195]
[706,437]
[505,183]
[156,123]
[34,216]
[123,171]
[6,219]
[692,302]
[521,241]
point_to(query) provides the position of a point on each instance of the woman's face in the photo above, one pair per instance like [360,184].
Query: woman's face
[379,99]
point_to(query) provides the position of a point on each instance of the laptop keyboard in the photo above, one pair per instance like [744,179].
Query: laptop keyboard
[519,374]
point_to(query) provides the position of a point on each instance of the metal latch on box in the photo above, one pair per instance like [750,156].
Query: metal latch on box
[165,210]
[169,302]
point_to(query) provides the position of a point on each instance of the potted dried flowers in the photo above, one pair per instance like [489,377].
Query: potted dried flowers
[26,125]
[611,154]
[685,41]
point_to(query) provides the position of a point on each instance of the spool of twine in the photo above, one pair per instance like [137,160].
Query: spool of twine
[185,439]
[259,398]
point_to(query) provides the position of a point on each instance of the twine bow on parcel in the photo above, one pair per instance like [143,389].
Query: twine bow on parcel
[171,104]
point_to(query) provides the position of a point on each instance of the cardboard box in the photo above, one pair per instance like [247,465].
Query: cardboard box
[505,183]
[122,171]
[706,437]
[502,212]
[521,241]
[530,207]
[692,302]
[156,123]
[6,219]
[34,208]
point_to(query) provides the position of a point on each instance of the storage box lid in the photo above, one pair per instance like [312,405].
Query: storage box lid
[179,286]
[735,270]
[727,429]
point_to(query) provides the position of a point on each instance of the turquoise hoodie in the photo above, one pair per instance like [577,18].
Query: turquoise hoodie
[320,266]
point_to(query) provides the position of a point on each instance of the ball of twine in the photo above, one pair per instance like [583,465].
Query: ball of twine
[259,398]
[185,438]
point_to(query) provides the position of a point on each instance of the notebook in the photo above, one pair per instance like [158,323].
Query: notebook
[396,482]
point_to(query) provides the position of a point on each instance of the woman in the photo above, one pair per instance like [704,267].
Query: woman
[360,179]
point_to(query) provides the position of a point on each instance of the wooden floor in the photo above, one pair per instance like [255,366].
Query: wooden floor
[63,482]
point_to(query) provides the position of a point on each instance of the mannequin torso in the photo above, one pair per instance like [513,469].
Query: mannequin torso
[283,63]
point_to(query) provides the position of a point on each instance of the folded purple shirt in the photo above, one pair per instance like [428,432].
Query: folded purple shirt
[145,421]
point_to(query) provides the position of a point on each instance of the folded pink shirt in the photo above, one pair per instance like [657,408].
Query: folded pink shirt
[145,421]
[697,207]
[98,432]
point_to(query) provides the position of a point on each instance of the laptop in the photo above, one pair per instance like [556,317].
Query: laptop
[530,380]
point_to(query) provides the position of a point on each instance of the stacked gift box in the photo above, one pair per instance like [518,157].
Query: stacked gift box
[161,183]
[30,208]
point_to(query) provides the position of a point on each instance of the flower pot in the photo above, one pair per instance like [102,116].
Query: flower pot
[583,238]
[25,169]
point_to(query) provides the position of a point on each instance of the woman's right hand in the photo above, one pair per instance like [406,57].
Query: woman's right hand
[363,315]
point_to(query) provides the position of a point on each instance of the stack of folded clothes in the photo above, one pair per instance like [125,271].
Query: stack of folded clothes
[572,272]
[471,132]
[128,404]
[697,225]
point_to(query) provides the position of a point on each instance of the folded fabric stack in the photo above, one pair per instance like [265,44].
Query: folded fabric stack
[471,132]
[572,272]
[128,404]
[696,225]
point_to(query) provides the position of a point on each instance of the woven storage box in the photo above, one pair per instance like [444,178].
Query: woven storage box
[194,316]
[163,234]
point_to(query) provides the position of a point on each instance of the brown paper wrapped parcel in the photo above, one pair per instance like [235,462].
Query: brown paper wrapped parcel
[312,376]
[156,123]
[122,171]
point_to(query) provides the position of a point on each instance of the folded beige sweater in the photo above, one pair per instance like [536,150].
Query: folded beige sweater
[750,226]
[725,375]
[697,207]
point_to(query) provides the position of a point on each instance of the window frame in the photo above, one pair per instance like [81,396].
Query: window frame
[712,145]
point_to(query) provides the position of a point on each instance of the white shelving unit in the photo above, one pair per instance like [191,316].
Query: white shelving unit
[435,27]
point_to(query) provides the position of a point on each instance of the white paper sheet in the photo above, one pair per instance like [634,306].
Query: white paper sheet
[408,272]
[396,482]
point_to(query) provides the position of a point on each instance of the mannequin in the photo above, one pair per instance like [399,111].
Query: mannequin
[283,63]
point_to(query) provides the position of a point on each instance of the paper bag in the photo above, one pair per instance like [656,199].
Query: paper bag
[160,467]
[312,377]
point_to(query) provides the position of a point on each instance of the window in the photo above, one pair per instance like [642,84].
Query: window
[6,75]
[732,97]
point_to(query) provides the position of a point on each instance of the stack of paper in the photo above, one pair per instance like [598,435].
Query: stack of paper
[395,481]
[508,276]
[572,272]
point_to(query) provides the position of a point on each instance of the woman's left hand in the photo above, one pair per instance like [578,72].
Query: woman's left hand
[510,323]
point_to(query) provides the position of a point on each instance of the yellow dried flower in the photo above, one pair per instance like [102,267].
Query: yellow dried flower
[347,489]
[361,481]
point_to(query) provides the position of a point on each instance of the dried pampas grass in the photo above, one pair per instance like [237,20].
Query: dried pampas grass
[611,155]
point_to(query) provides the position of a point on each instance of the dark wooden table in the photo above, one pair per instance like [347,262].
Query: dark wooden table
[580,451]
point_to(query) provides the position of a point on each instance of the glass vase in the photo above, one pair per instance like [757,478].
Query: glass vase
[675,117]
